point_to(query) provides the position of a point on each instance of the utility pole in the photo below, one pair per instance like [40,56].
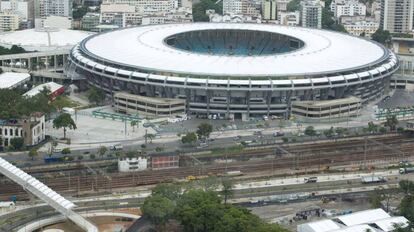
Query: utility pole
[365,152]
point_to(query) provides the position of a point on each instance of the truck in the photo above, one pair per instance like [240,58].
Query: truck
[406,170]
[373,179]
[313,179]
[116,147]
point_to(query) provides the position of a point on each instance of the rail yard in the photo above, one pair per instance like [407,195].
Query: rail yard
[77,179]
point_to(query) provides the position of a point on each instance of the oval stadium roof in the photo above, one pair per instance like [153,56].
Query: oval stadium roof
[323,51]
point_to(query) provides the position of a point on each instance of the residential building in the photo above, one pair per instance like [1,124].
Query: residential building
[31,129]
[148,6]
[348,8]
[289,18]
[232,6]
[44,8]
[232,18]
[132,164]
[9,21]
[90,21]
[311,14]
[366,28]
[269,10]
[19,7]
[397,15]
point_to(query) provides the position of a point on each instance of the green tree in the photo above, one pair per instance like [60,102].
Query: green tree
[158,209]
[134,123]
[407,207]
[167,190]
[199,211]
[17,143]
[406,186]
[204,130]
[33,153]
[372,128]
[375,198]
[310,131]
[199,9]
[293,5]
[391,122]
[96,96]
[79,12]
[149,136]
[329,133]
[102,150]
[227,189]
[189,138]
[64,121]
[66,150]
[382,36]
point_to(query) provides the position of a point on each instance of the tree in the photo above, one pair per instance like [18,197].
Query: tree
[310,131]
[372,128]
[169,191]
[189,138]
[102,150]
[375,198]
[199,10]
[204,130]
[199,211]
[407,207]
[134,123]
[293,5]
[66,150]
[95,95]
[158,209]
[33,153]
[64,121]
[329,133]
[149,136]
[406,186]
[381,36]
[391,122]
[227,189]
[17,143]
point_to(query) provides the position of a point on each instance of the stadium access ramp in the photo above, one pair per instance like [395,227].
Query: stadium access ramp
[46,194]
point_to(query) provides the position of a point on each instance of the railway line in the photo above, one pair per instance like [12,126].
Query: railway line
[305,156]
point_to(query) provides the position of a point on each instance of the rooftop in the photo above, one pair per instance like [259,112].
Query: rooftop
[43,39]
[144,47]
[9,80]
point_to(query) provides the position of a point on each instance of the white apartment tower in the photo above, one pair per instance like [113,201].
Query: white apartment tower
[311,14]
[348,8]
[44,8]
[232,6]
[269,10]
[397,15]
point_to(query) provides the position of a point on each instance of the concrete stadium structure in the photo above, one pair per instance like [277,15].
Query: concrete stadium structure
[235,70]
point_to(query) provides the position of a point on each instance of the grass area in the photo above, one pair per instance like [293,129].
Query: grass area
[64,101]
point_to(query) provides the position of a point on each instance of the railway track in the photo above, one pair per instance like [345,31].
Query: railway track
[310,155]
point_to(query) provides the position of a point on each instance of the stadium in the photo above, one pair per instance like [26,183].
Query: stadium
[234,71]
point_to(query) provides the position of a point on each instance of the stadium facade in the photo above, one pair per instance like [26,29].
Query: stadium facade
[236,70]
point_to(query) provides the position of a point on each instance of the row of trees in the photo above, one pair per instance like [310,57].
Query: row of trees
[12,50]
[203,132]
[199,209]
[14,105]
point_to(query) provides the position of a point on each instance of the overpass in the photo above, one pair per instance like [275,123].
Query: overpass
[46,194]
